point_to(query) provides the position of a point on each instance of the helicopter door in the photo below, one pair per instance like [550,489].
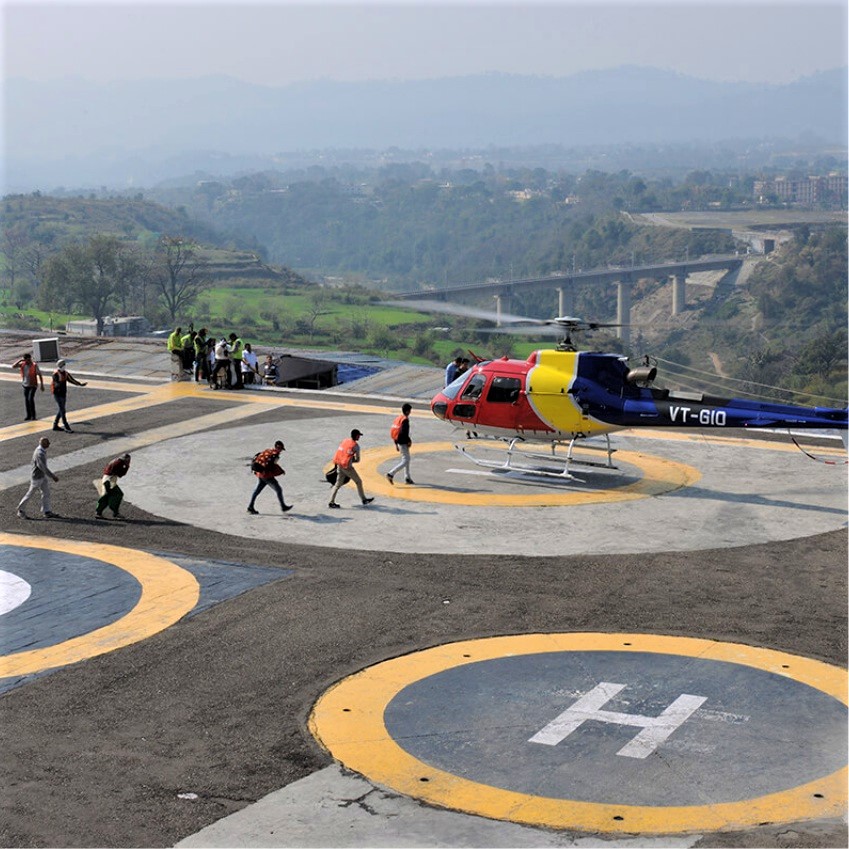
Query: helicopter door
[502,400]
[466,408]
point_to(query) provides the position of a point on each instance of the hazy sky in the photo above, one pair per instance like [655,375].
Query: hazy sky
[275,43]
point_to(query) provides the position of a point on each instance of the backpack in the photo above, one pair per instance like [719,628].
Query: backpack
[395,430]
[257,466]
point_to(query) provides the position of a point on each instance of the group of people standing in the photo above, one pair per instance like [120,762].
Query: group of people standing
[456,368]
[225,363]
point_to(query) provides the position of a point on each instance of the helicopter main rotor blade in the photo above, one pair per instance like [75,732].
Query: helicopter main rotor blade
[463,311]
[524,330]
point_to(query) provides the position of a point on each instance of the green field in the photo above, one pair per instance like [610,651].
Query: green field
[294,319]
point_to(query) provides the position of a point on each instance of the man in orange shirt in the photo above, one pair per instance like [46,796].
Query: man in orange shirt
[346,455]
[30,376]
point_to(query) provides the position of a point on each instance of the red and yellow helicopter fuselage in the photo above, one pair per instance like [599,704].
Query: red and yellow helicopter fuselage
[556,396]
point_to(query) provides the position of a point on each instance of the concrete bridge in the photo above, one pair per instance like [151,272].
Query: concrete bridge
[565,283]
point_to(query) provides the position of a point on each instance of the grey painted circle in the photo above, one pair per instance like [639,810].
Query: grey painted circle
[755,733]
[782,495]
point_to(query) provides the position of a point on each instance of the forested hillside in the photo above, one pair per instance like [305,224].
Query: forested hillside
[403,227]
[784,326]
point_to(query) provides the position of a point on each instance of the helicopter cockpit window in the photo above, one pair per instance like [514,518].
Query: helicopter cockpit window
[452,390]
[474,388]
[504,390]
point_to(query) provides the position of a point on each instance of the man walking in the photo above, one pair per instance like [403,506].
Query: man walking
[39,475]
[113,495]
[30,376]
[267,469]
[61,378]
[346,455]
[400,433]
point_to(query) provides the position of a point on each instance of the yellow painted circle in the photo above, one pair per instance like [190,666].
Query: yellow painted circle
[659,476]
[167,594]
[348,721]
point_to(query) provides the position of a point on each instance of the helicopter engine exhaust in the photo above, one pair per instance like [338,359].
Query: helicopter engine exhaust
[643,374]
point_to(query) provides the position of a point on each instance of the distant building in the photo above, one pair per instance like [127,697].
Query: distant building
[124,325]
[829,190]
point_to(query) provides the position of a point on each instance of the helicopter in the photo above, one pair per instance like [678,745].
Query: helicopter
[563,396]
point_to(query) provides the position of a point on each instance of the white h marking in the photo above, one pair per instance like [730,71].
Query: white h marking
[655,728]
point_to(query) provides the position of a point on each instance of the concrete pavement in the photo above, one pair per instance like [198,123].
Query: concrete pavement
[691,535]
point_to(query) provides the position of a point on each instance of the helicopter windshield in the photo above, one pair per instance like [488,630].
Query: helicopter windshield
[453,389]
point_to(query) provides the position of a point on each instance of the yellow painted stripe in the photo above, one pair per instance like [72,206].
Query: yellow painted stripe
[348,721]
[92,383]
[659,476]
[167,594]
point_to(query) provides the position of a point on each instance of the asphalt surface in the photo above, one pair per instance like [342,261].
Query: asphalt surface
[99,753]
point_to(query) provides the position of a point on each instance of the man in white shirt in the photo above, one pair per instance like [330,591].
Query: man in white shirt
[250,364]
[40,476]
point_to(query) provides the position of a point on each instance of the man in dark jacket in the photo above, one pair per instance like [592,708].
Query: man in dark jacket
[401,426]
[267,470]
[61,378]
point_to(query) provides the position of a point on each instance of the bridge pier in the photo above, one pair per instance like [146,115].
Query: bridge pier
[502,299]
[565,299]
[679,292]
[623,310]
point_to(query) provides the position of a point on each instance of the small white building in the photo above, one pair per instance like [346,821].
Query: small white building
[123,325]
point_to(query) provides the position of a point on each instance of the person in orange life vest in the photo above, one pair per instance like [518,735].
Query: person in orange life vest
[112,493]
[268,469]
[30,376]
[402,444]
[346,455]
[61,378]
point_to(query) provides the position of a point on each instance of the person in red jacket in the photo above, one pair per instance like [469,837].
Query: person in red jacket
[267,470]
[346,455]
[113,495]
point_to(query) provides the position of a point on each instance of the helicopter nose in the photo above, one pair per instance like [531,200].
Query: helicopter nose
[439,407]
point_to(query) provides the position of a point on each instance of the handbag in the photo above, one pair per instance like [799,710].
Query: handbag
[332,475]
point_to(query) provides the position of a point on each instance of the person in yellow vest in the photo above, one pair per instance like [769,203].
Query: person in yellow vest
[346,455]
[236,352]
[30,375]
[175,348]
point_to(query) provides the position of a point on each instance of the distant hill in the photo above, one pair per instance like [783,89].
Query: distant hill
[55,222]
[73,133]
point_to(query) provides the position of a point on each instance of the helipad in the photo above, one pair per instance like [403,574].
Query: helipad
[599,732]
[668,492]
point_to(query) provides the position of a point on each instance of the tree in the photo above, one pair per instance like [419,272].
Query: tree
[822,354]
[85,277]
[178,274]
[13,243]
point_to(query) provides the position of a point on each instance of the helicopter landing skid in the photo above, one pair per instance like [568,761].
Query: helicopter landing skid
[509,464]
